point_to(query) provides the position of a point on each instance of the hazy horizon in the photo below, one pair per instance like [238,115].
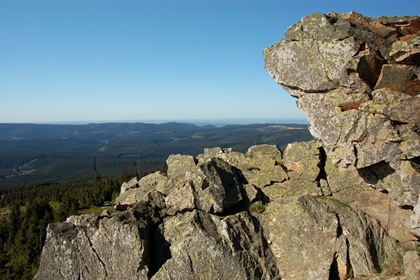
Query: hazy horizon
[199,122]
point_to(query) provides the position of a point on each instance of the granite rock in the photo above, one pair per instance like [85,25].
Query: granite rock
[357,81]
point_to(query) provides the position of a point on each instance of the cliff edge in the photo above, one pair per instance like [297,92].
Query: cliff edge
[357,81]
[343,206]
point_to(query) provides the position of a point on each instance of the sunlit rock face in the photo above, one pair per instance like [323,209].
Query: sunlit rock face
[356,79]
[199,220]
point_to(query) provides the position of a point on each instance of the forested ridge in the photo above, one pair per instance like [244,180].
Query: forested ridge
[28,156]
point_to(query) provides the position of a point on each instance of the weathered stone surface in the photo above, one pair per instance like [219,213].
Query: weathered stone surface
[182,169]
[303,160]
[181,199]
[352,242]
[128,185]
[260,166]
[92,247]
[205,246]
[348,187]
[357,82]
[412,265]
[399,107]
[156,181]
[212,186]
[129,198]
[222,186]
[291,188]
[415,220]
[195,222]
[252,193]
[363,108]
[406,51]
[400,78]
[267,151]
[135,190]
[308,59]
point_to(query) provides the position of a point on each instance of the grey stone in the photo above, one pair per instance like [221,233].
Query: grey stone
[303,160]
[205,246]
[320,238]
[222,188]
[128,185]
[156,181]
[412,265]
[92,247]
[356,80]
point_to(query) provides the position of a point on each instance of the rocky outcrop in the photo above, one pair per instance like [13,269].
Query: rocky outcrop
[357,82]
[97,247]
[198,221]
[321,238]
[206,246]
[190,223]
[338,207]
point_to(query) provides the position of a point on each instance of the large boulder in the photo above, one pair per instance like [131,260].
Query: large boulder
[129,185]
[194,228]
[95,247]
[321,238]
[303,160]
[261,165]
[212,186]
[206,246]
[357,81]
[135,190]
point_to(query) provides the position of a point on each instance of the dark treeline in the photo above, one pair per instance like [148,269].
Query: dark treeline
[80,153]
[27,210]
[22,235]
[87,193]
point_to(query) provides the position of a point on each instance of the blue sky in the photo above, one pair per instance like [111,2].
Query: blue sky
[88,60]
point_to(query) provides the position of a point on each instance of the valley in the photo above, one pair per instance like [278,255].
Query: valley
[36,153]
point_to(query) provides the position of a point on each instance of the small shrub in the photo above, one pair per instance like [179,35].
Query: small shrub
[256,208]
[394,263]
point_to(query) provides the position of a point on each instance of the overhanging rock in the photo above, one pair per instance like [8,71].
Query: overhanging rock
[357,81]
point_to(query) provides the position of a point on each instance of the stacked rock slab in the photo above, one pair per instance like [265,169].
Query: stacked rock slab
[357,81]
[196,221]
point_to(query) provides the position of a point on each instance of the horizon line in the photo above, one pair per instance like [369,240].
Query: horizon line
[203,121]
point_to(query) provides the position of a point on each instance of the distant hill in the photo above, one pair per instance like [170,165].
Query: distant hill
[32,153]
[97,131]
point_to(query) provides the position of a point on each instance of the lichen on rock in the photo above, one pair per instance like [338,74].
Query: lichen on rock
[357,82]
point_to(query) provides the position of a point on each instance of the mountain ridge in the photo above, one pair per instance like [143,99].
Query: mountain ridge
[51,157]
[84,131]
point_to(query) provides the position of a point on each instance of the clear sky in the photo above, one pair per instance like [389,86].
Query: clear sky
[103,60]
